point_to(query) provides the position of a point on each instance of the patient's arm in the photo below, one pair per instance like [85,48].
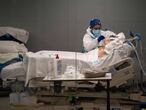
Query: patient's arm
[106,41]
[101,49]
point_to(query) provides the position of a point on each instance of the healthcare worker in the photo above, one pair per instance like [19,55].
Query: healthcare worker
[95,36]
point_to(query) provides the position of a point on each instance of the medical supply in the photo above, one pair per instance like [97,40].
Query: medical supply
[57,66]
[22,99]
[50,67]
[72,72]
[57,56]
[49,56]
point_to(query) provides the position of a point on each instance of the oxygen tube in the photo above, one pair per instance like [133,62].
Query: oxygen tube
[138,37]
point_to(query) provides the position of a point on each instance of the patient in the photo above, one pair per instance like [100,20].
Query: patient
[111,43]
[113,50]
[101,50]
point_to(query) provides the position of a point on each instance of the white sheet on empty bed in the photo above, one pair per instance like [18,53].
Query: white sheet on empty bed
[12,71]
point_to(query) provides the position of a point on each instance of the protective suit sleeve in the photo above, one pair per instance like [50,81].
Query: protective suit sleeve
[89,43]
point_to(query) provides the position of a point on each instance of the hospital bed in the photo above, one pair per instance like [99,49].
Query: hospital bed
[121,71]
[74,64]
[122,68]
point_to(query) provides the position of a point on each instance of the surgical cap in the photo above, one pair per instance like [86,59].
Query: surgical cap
[94,22]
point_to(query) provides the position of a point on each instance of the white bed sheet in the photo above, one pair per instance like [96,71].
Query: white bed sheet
[13,71]
[40,64]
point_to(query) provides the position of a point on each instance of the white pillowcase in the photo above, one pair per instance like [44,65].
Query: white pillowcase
[17,33]
[12,47]
[7,56]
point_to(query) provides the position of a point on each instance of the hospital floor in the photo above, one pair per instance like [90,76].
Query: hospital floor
[60,103]
[4,105]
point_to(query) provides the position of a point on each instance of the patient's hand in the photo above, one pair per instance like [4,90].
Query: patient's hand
[101,51]
[106,40]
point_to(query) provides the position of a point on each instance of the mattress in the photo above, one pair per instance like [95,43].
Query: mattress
[13,71]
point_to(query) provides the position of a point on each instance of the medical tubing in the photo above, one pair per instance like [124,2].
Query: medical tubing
[140,63]
[142,70]
[141,49]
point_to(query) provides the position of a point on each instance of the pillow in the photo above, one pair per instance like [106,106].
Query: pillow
[12,47]
[8,37]
[7,56]
[20,34]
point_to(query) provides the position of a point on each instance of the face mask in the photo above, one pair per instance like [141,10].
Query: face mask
[96,33]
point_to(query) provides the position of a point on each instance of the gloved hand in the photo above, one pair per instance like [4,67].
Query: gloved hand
[100,38]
